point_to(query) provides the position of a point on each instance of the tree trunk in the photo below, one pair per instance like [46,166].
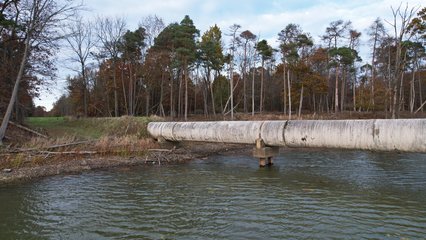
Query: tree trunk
[327,99]
[284,91]
[412,92]
[300,102]
[420,92]
[161,107]
[354,90]
[394,99]
[401,93]
[83,75]
[231,87]
[388,99]
[212,94]
[114,65]
[343,90]
[179,110]
[185,72]
[147,99]
[124,87]
[135,98]
[172,109]
[130,90]
[195,92]
[18,118]
[421,107]
[252,89]
[336,91]
[289,94]
[396,75]
[205,96]
[373,73]
[108,102]
[261,87]
[244,79]
[314,100]
[401,105]
[14,95]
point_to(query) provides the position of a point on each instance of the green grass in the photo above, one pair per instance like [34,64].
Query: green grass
[90,128]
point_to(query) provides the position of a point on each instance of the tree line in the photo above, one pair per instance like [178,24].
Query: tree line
[175,70]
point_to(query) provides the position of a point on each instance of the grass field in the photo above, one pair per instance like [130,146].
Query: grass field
[71,138]
[89,128]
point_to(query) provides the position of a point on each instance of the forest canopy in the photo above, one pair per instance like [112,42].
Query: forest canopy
[175,70]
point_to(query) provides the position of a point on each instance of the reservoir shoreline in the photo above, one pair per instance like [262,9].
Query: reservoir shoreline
[170,154]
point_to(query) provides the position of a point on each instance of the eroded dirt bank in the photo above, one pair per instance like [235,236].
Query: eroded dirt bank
[167,154]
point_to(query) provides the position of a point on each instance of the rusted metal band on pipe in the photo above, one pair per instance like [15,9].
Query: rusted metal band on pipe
[383,135]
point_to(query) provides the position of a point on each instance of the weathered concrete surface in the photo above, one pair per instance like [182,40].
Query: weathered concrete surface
[224,132]
[382,135]
[355,134]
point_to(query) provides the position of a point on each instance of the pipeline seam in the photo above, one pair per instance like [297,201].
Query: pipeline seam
[260,129]
[374,134]
[173,131]
[284,128]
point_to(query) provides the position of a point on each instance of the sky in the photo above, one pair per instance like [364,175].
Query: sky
[265,18]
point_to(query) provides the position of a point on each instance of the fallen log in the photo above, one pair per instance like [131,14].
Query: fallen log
[420,108]
[50,147]
[159,150]
[69,152]
[27,129]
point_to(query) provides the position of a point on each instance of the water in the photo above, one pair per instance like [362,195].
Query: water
[313,194]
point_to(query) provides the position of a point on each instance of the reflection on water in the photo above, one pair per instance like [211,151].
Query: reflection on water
[307,194]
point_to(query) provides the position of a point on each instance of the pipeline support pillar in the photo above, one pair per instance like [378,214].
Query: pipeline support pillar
[264,153]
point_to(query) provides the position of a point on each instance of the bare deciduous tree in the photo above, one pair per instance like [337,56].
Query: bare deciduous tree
[376,31]
[400,23]
[41,20]
[153,25]
[248,37]
[81,42]
[110,32]
[234,42]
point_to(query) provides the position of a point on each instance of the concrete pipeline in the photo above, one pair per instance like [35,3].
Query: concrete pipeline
[408,135]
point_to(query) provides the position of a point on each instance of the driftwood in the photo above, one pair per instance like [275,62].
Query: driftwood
[159,158]
[159,150]
[78,152]
[68,144]
[68,152]
[28,130]
[96,152]
[50,147]
[47,151]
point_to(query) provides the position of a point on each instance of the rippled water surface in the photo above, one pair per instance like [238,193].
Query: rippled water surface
[313,194]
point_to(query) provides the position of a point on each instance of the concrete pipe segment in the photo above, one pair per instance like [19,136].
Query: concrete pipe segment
[407,135]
